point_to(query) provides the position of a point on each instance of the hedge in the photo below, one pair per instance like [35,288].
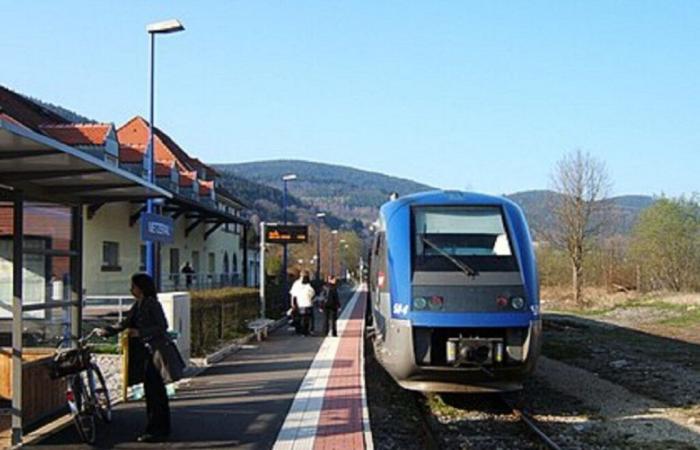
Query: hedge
[219,315]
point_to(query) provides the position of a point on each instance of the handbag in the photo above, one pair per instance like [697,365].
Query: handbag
[167,360]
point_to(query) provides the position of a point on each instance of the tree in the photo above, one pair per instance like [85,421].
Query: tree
[583,183]
[666,244]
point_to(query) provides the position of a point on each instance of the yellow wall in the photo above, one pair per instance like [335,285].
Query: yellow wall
[111,223]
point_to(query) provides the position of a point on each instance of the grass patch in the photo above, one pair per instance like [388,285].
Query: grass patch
[687,316]
[438,407]
[681,315]
[105,349]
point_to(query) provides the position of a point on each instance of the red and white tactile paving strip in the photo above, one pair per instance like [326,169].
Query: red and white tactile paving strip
[330,408]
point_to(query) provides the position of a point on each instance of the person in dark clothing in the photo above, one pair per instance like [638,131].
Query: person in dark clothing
[146,321]
[188,271]
[331,305]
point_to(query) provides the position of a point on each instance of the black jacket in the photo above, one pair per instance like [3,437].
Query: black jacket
[330,296]
[153,342]
[146,316]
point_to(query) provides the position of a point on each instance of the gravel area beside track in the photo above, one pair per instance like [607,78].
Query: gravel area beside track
[575,407]
[662,368]
[394,416]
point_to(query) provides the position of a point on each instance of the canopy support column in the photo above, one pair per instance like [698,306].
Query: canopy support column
[76,316]
[17,266]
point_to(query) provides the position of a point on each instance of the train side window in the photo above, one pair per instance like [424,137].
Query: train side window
[378,242]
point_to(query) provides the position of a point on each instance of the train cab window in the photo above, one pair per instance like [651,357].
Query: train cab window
[448,238]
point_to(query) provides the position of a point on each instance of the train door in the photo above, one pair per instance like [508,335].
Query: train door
[380,294]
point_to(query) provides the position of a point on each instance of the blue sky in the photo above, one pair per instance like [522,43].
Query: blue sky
[478,95]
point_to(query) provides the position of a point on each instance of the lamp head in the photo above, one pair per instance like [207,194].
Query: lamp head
[166,26]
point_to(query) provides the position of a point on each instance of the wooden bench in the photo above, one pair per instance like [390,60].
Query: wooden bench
[260,327]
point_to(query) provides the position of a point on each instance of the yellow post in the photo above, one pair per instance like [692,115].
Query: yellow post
[124,341]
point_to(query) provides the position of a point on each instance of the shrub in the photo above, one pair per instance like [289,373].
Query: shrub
[218,315]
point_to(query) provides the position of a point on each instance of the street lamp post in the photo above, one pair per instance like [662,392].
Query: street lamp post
[334,233]
[166,27]
[341,245]
[285,179]
[319,217]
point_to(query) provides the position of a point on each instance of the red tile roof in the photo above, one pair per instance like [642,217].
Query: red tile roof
[210,171]
[164,168]
[11,119]
[187,178]
[78,133]
[205,187]
[131,154]
[135,132]
[26,111]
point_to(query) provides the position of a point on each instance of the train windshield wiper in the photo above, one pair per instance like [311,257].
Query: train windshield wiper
[459,264]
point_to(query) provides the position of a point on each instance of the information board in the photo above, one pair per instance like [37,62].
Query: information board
[286,234]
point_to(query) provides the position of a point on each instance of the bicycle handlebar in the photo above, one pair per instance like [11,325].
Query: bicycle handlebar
[80,340]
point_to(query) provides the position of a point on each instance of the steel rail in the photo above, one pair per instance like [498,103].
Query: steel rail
[429,439]
[531,424]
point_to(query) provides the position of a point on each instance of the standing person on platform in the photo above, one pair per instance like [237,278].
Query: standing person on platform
[146,321]
[331,305]
[302,295]
[188,271]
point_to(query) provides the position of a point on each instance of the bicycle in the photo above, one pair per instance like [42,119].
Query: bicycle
[87,394]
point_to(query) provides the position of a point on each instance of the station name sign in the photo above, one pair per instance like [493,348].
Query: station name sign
[286,234]
[157,228]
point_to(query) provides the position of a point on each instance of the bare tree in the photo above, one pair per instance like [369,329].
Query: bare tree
[583,184]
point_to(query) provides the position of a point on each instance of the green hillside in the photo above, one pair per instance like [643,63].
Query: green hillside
[349,194]
[622,211]
[351,197]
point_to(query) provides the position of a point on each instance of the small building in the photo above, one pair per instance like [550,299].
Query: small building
[45,187]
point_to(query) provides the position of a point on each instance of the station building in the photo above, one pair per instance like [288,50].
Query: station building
[209,230]
[71,198]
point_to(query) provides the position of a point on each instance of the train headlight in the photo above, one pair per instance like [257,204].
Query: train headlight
[420,303]
[436,302]
[517,302]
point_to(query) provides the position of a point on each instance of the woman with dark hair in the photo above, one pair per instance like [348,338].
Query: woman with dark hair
[147,327]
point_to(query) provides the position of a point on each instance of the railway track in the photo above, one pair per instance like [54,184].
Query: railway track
[531,424]
[431,441]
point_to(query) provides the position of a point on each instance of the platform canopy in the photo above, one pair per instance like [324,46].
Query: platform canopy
[47,169]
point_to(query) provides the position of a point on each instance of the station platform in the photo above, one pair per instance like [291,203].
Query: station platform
[287,392]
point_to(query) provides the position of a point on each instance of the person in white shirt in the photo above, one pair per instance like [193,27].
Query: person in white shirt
[302,295]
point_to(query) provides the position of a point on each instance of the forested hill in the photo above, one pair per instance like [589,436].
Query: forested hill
[622,211]
[351,195]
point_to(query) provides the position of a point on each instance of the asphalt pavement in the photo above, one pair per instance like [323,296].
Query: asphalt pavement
[239,403]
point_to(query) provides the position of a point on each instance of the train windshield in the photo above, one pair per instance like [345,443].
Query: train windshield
[470,239]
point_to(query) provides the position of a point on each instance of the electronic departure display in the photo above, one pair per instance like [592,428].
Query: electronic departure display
[286,234]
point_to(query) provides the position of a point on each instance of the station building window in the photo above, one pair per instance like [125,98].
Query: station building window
[195,261]
[110,256]
[174,260]
[211,266]
[142,258]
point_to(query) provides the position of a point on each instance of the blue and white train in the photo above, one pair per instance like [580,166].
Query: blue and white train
[454,293]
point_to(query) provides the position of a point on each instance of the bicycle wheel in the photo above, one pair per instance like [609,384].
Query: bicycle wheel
[84,416]
[100,393]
